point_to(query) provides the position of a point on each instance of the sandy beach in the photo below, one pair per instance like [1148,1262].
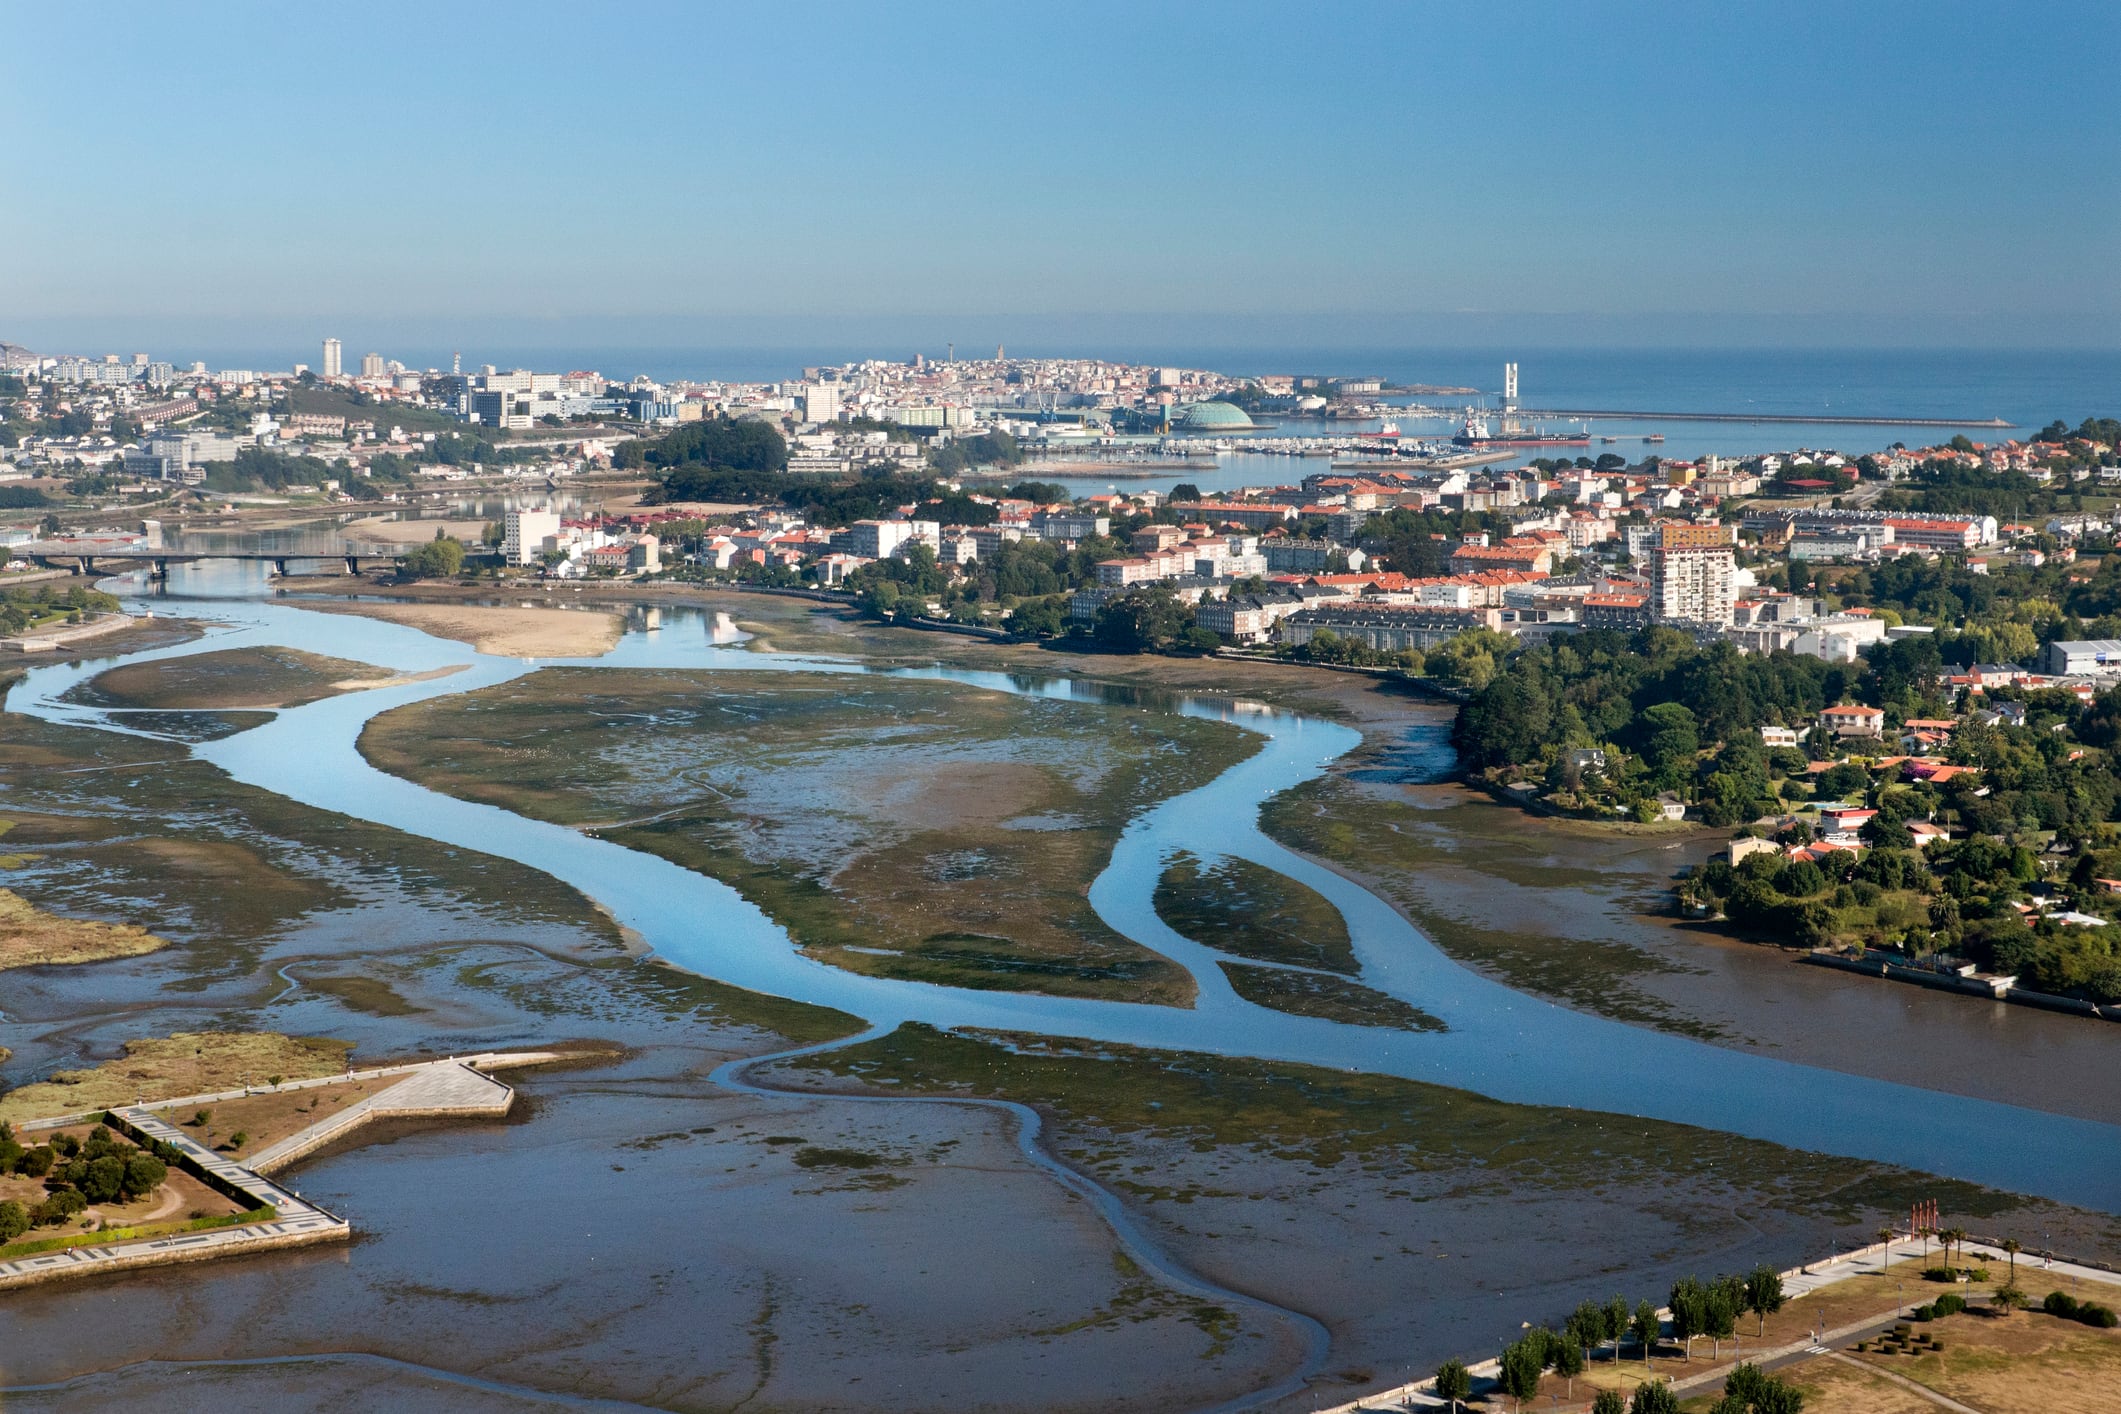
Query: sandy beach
[503,631]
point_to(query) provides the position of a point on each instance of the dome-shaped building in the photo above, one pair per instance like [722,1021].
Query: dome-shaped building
[1213,417]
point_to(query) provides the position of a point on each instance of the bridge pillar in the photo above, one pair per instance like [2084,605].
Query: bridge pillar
[353,566]
[279,567]
[86,564]
[160,571]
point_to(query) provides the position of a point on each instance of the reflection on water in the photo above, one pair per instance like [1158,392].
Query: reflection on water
[1500,1042]
[1423,755]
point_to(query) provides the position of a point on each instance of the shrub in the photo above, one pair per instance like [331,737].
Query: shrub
[14,1221]
[1922,1313]
[1950,1304]
[1938,1274]
[2060,1303]
[58,1207]
[2094,1314]
[1936,1345]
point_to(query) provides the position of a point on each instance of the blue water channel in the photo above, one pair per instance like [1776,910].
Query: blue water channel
[1500,1042]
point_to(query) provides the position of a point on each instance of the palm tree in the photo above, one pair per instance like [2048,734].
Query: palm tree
[1885,1235]
[1953,1236]
[2011,1250]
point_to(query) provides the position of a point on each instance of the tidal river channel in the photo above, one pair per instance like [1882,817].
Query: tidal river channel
[1500,1042]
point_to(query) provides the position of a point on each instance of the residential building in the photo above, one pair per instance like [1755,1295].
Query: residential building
[372,365]
[821,402]
[1853,721]
[1384,628]
[1692,575]
[881,539]
[524,533]
[1248,618]
[330,367]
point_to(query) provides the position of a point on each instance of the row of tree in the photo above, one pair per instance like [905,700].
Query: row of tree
[1697,1309]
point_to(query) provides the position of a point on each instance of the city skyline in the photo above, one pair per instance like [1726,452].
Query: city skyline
[1639,175]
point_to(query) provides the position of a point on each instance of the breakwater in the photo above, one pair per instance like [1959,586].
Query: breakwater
[1990,424]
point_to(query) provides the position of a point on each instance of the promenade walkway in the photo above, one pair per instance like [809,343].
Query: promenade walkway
[1864,1261]
[458,1085]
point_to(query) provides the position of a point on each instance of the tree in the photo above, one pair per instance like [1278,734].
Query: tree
[1763,1293]
[1747,1391]
[1586,1327]
[105,1179]
[1616,1323]
[1522,1365]
[1689,1307]
[1670,741]
[1453,1383]
[1646,1328]
[2011,1249]
[1609,1401]
[1885,1237]
[1568,1361]
[144,1173]
[14,1220]
[439,558]
[1720,1304]
[1654,1399]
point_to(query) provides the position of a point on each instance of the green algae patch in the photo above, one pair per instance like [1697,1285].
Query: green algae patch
[1248,910]
[1325,995]
[230,677]
[903,828]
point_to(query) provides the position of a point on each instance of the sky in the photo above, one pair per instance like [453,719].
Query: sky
[1636,173]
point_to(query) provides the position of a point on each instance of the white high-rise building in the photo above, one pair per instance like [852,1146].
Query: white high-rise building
[524,533]
[821,402]
[331,359]
[372,365]
[1693,574]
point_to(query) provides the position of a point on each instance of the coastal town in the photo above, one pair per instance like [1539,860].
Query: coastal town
[1887,683]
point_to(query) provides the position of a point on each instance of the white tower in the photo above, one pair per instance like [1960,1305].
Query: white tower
[331,358]
[1509,387]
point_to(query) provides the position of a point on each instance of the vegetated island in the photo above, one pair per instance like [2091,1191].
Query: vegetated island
[32,937]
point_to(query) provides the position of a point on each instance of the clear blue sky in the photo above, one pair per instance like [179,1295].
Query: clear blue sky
[1910,172]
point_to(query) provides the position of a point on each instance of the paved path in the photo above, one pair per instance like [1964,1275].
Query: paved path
[484,1060]
[450,1087]
[455,1085]
[294,1221]
[1872,1260]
